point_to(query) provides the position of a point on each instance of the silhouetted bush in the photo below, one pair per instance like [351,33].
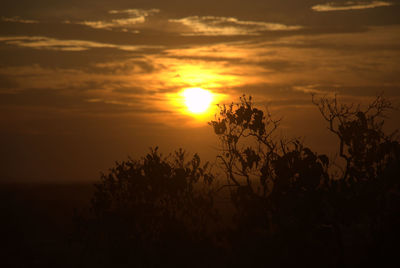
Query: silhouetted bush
[151,212]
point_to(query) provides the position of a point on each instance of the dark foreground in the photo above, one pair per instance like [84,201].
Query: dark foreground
[37,223]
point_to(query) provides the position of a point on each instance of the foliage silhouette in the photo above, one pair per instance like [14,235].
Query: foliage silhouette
[150,211]
[276,185]
[366,195]
[288,207]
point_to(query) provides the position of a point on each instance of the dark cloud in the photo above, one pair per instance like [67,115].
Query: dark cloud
[138,65]
[363,91]
[7,82]
[133,90]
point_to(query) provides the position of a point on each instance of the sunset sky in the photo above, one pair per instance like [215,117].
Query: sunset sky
[86,83]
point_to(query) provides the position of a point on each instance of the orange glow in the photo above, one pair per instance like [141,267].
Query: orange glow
[198,103]
[185,73]
[197,99]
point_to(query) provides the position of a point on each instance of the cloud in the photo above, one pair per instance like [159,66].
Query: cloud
[350,5]
[42,42]
[134,16]
[18,19]
[225,26]
[136,12]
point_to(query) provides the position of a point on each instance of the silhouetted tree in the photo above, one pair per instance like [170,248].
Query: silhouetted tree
[276,185]
[365,193]
[284,193]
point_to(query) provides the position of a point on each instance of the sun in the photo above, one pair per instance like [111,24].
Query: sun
[197,100]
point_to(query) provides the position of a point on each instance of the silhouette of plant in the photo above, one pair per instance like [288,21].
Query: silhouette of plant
[277,186]
[157,209]
[245,135]
[364,194]
[362,142]
[283,192]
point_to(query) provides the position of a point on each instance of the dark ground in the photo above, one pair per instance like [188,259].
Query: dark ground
[36,223]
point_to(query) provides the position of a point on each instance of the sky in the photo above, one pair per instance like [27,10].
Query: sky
[86,83]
